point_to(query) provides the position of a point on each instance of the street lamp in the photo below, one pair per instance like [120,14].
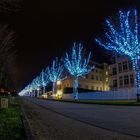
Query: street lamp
[59,90]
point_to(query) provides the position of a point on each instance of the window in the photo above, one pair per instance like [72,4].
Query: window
[92,87]
[125,66]
[106,80]
[120,67]
[101,88]
[115,83]
[86,76]
[114,71]
[86,86]
[92,77]
[97,78]
[126,80]
[96,70]
[131,79]
[100,78]
[96,88]
[130,65]
[121,81]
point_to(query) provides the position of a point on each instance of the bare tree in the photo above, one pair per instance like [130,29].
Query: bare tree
[7,54]
[8,6]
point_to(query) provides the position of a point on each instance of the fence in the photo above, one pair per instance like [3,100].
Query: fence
[125,94]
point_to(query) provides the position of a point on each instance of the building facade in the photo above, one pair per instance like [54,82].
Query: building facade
[97,80]
[121,74]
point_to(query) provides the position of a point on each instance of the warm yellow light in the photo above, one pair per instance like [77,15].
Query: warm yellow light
[106,79]
[58,82]
[59,94]
[45,96]
[106,72]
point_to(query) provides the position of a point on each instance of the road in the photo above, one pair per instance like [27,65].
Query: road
[124,120]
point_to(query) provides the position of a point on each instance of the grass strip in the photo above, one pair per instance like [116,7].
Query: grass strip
[11,126]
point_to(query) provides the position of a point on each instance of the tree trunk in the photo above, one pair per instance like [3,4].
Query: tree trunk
[38,93]
[75,88]
[53,88]
[137,78]
[43,89]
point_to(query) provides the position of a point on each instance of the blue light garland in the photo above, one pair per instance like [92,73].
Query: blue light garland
[124,38]
[77,65]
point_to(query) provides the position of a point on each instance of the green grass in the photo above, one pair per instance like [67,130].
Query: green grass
[101,102]
[11,126]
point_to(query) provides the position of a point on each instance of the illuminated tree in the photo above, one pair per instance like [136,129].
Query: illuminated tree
[55,73]
[77,65]
[124,38]
[44,79]
[37,84]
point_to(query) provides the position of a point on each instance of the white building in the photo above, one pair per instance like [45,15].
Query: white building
[97,80]
[121,74]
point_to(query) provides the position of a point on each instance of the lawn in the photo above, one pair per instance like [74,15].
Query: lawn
[11,126]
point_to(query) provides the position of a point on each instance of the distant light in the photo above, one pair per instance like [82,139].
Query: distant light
[59,94]
[58,82]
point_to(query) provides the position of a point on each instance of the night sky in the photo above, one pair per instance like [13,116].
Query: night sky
[47,28]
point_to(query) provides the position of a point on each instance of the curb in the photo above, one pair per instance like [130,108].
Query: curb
[27,125]
[92,103]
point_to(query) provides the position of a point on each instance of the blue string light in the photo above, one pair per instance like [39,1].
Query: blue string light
[77,65]
[124,38]
[55,73]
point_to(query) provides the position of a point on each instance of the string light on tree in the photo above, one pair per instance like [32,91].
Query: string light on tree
[124,38]
[77,65]
[55,73]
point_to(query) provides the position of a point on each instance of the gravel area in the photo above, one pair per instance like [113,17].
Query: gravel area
[48,125]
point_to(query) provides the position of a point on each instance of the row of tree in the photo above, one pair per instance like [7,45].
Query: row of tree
[122,37]
[76,64]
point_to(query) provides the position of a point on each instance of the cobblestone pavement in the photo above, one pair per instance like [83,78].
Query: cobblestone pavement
[49,125]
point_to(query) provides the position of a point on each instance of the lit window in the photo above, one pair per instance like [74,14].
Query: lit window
[106,79]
